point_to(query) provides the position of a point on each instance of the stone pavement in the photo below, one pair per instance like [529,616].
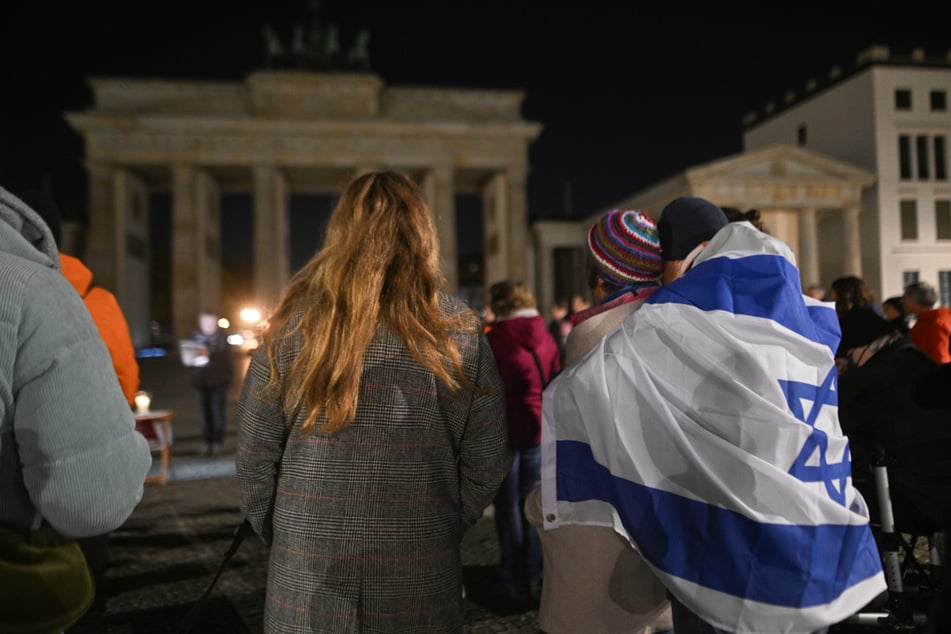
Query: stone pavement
[163,558]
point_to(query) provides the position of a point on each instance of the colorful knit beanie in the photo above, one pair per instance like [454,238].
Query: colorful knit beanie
[625,248]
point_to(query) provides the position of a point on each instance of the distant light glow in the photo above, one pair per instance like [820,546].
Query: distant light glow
[223,323]
[235,339]
[251,315]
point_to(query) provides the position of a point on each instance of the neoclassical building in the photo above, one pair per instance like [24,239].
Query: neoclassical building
[800,193]
[887,112]
[272,135]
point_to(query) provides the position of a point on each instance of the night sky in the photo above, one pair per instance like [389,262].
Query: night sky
[628,93]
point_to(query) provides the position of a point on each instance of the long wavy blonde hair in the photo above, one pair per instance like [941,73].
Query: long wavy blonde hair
[379,264]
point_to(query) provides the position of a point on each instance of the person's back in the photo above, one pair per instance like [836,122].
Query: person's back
[878,412]
[527,358]
[111,323]
[363,488]
[107,315]
[674,450]
[69,451]
[102,305]
[593,578]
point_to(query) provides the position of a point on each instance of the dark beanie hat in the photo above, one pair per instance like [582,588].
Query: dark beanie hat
[860,327]
[43,204]
[687,222]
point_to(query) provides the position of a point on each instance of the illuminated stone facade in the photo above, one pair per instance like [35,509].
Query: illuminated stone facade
[275,134]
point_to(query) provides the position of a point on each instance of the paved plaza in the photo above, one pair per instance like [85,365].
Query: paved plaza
[163,558]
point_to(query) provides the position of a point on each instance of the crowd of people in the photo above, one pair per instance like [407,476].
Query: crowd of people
[684,446]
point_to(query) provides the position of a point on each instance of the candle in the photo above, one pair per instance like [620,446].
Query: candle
[142,401]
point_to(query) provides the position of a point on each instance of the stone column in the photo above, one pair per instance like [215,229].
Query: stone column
[271,239]
[852,242]
[133,274]
[186,251]
[544,272]
[208,197]
[496,237]
[439,189]
[102,245]
[516,224]
[196,254]
[808,247]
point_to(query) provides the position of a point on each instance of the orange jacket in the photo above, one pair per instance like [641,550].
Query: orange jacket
[110,321]
[932,334]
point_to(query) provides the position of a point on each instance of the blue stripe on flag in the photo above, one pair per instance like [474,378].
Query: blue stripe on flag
[760,285]
[787,565]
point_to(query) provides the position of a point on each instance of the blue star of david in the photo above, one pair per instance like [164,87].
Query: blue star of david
[826,472]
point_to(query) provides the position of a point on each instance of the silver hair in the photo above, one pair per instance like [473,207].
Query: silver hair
[923,293]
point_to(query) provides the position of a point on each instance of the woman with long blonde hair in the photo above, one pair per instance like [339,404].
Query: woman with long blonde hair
[372,428]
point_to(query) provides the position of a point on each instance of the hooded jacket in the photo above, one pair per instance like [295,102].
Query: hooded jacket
[69,452]
[108,317]
[513,339]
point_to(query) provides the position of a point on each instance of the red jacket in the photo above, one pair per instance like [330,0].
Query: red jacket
[110,321]
[932,334]
[511,340]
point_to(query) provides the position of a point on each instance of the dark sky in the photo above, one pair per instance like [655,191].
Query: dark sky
[628,93]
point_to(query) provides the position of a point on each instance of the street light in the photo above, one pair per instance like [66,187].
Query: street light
[248,336]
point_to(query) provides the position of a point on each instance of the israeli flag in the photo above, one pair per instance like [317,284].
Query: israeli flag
[705,431]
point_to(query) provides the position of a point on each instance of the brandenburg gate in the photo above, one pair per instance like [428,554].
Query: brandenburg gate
[274,134]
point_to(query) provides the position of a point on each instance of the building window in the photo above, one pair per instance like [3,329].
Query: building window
[908,277]
[909,219]
[944,288]
[904,156]
[940,171]
[921,145]
[902,99]
[801,135]
[938,101]
[942,219]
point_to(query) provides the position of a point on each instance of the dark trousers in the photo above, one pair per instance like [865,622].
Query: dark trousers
[211,410]
[518,542]
[96,552]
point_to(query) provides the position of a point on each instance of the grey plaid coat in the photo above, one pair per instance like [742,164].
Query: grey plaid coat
[365,524]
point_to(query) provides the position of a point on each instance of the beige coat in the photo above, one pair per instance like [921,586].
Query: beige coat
[594,582]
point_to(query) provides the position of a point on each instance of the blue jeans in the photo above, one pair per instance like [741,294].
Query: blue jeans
[211,411]
[521,549]
[687,622]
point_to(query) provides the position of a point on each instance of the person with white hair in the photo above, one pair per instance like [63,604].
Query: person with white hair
[932,330]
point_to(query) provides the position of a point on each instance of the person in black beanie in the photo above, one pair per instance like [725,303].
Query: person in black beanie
[685,224]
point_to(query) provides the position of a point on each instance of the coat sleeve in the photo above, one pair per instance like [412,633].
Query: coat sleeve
[83,463]
[485,455]
[261,440]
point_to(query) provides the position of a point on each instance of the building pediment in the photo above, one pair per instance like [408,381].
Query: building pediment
[777,163]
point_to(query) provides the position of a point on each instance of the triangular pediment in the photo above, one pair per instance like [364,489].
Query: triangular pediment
[778,163]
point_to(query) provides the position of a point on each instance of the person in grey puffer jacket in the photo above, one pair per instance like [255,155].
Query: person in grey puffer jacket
[69,452]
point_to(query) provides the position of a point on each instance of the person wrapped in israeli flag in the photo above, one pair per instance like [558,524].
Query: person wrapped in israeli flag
[705,431]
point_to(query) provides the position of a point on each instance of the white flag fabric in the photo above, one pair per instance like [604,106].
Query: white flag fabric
[705,431]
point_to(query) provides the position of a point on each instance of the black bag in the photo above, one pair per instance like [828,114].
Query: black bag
[45,584]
